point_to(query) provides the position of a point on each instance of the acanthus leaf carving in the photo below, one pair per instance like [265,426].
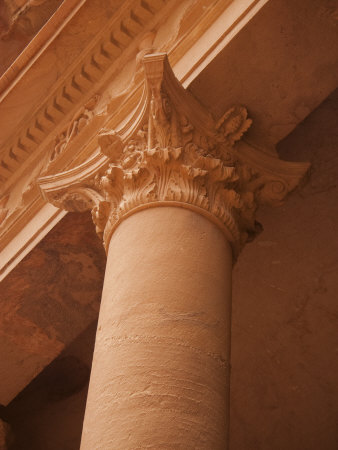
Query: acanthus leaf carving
[172,152]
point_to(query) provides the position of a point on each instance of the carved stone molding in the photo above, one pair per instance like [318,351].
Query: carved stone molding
[70,90]
[112,47]
[172,152]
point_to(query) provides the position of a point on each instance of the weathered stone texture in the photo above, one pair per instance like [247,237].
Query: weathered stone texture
[48,300]
[284,334]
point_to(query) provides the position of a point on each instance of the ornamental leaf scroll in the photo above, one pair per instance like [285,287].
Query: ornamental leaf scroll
[171,151]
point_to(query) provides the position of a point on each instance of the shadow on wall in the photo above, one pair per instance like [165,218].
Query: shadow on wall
[285,310]
[48,413]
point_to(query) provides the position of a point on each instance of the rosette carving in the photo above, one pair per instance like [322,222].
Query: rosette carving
[172,152]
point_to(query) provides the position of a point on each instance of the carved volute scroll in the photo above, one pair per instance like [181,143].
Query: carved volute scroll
[172,152]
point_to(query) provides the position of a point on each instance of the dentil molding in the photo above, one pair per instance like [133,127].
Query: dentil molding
[172,152]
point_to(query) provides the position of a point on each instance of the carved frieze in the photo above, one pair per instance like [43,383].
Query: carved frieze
[172,152]
[79,121]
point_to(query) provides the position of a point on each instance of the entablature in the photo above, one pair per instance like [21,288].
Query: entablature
[99,88]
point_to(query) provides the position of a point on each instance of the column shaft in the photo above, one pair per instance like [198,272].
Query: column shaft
[160,375]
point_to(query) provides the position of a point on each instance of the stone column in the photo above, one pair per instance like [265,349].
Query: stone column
[160,375]
[173,195]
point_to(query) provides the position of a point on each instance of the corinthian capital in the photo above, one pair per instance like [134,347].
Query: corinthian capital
[172,152]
